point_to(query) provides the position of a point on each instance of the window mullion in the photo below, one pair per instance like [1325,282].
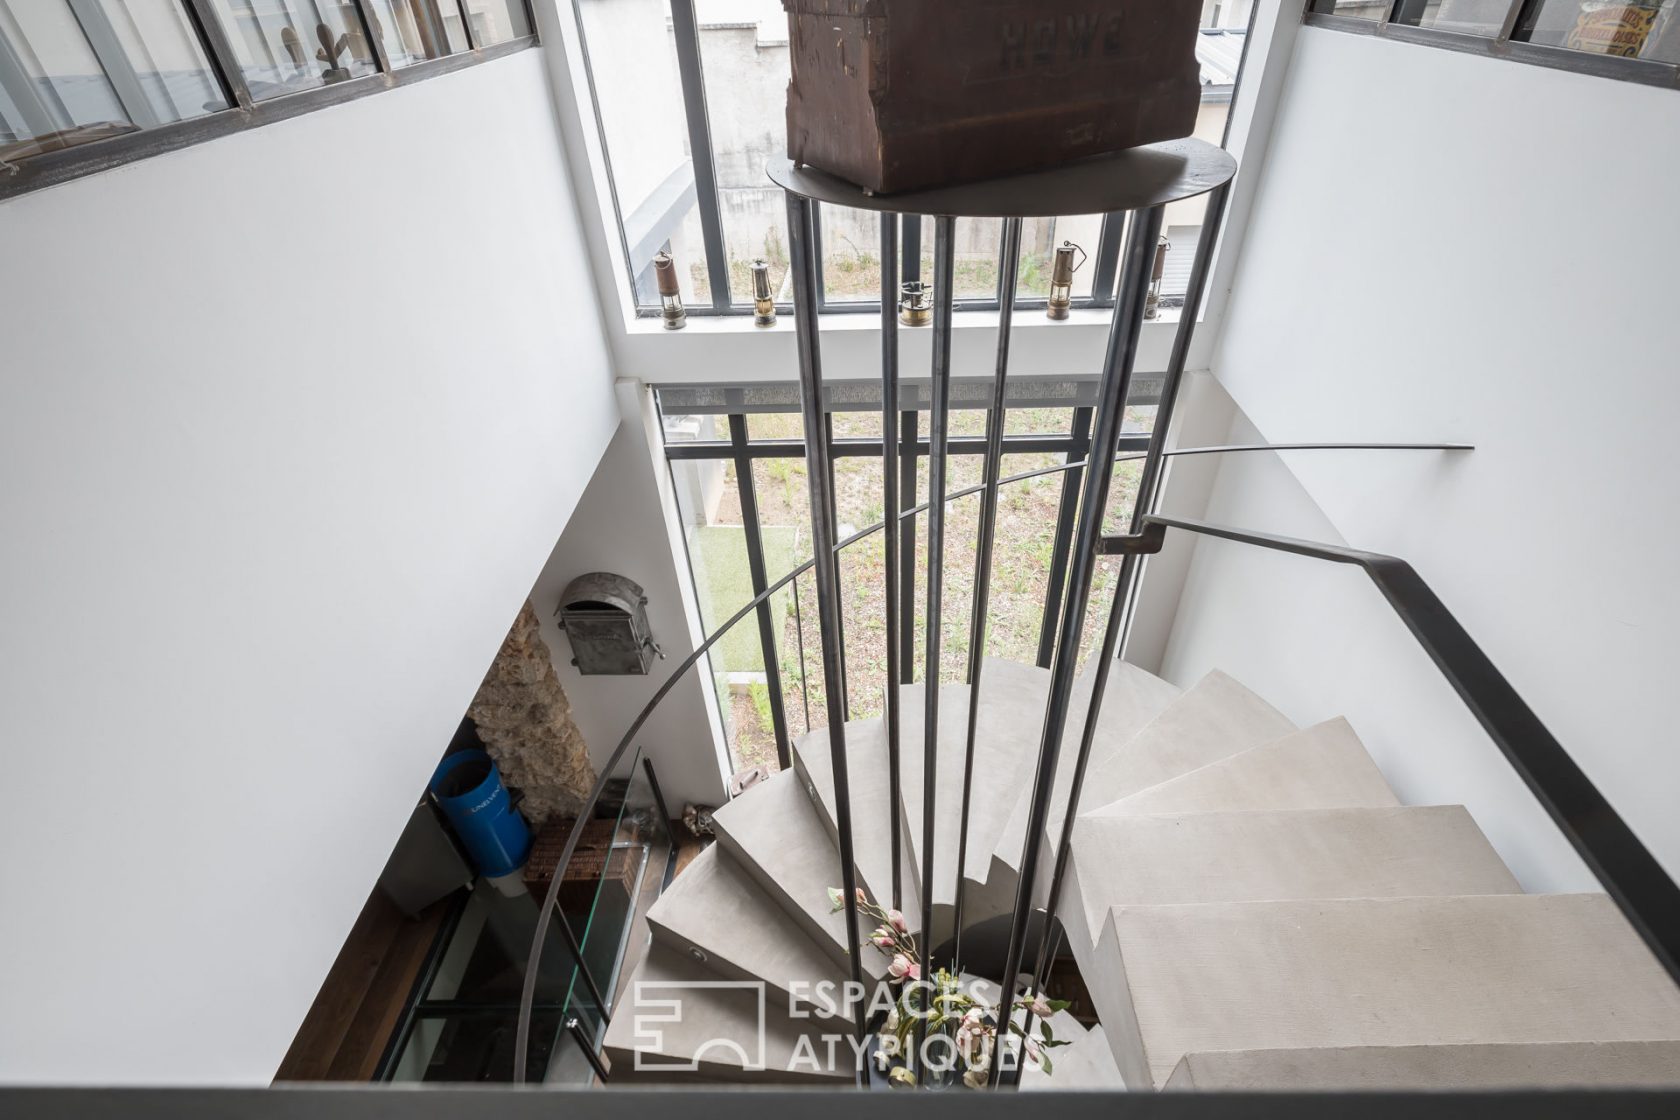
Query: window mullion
[101,38]
[222,57]
[466,24]
[1107,260]
[686,28]
[376,43]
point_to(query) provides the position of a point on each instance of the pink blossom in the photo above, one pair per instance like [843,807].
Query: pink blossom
[863,899]
[903,967]
[898,921]
[882,937]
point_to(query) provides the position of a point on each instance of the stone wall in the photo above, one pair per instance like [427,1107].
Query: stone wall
[526,723]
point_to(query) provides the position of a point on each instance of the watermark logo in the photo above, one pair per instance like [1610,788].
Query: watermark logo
[660,1004]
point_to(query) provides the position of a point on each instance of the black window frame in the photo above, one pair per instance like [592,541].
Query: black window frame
[735,403]
[1641,71]
[47,169]
[685,28]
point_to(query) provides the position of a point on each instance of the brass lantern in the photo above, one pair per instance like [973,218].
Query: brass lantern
[1157,276]
[1061,279]
[670,295]
[764,301]
[915,304]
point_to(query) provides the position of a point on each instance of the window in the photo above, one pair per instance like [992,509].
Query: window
[1632,40]
[767,672]
[412,30]
[689,129]
[284,46]
[649,158]
[78,72]
[1646,29]
[71,73]
[497,21]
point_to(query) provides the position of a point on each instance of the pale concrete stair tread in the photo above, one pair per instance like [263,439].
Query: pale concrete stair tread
[1324,766]
[1378,972]
[1214,719]
[1133,698]
[1535,1065]
[1266,854]
[1087,1064]
[676,1022]
[716,914]
[869,776]
[775,834]
[1010,719]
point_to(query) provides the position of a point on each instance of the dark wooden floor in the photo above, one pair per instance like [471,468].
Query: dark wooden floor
[363,996]
[362,999]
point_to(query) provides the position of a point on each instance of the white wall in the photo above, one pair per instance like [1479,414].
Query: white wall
[619,527]
[288,423]
[1454,247]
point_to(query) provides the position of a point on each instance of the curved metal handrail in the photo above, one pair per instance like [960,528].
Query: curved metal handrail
[527,995]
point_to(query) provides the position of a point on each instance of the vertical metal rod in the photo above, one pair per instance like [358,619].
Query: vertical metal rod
[893,540]
[665,818]
[939,418]
[909,423]
[834,533]
[760,581]
[686,28]
[912,269]
[576,951]
[1065,515]
[991,470]
[1120,611]
[575,1029]
[1143,233]
[827,566]
[220,48]
[799,636]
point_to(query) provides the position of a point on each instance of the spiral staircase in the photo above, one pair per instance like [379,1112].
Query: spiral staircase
[1248,903]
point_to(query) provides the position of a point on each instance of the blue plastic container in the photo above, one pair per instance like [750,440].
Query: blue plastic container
[469,790]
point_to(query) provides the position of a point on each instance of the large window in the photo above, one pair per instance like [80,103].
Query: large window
[138,77]
[1634,40]
[738,467]
[689,129]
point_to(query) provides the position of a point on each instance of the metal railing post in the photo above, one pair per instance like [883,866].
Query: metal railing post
[827,564]
[939,417]
[760,580]
[1065,515]
[990,470]
[1142,234]
[893,541]
[1120,611]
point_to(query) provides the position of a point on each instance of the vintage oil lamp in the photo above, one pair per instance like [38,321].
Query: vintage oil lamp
[915,304]
[1157,275]
[764,301]
[670,296]
[1061,279]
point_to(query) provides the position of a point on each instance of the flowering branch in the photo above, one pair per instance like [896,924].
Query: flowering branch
[970,1025]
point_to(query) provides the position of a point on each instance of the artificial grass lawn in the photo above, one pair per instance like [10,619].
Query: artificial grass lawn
[719,555]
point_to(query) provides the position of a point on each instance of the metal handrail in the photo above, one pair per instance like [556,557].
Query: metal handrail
[1631,875]
[538,939]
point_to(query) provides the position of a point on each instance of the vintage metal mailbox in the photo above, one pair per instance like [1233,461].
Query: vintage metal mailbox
[899,95]
[605,616]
